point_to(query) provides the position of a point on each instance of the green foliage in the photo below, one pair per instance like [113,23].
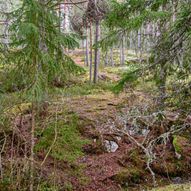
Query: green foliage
[35,55]
[127,16]
[128,78]
[68,143]
[169,62]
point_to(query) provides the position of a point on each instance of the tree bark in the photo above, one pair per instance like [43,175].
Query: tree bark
[122,52]
[163,73]
[87,48]
[111,57]
[97,53]
[91,52]
[140,45]
[106,58]
[32,149]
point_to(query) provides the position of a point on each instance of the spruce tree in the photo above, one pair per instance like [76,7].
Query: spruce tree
[35,56]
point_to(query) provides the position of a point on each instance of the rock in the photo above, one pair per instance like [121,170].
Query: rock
[134,131]
[111,146]
[172,116]
[177,180]
[118,138]
[188,119]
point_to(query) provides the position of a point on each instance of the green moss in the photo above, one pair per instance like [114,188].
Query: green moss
[178,142]
[18,109]
[5,184]
[68,144]
[135,158]
[84,180]
[44,186]
[128,176]
[68,186]
[176,145]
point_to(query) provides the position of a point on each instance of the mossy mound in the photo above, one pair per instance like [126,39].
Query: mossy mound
[63,138]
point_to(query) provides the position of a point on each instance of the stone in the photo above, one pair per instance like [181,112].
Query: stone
[177,180]
[111,146]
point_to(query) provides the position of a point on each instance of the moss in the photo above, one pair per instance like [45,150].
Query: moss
[135,158]
[18,109]
[68,144]
[181,145]
[176,144]
[82,88]
[68,186]
[5,184]
[128,176]
[44,186]
[84,180]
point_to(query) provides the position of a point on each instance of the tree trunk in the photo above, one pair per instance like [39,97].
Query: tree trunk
[139,45]
[32,149]
[122,52]
[97,52]
[111,57]
[106,58]
[87,48]
[162,87]
[91,52]
[163,73]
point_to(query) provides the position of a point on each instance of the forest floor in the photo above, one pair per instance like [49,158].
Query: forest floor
[88,116]
[111,162]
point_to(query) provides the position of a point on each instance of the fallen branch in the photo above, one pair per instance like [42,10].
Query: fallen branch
[148,150]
